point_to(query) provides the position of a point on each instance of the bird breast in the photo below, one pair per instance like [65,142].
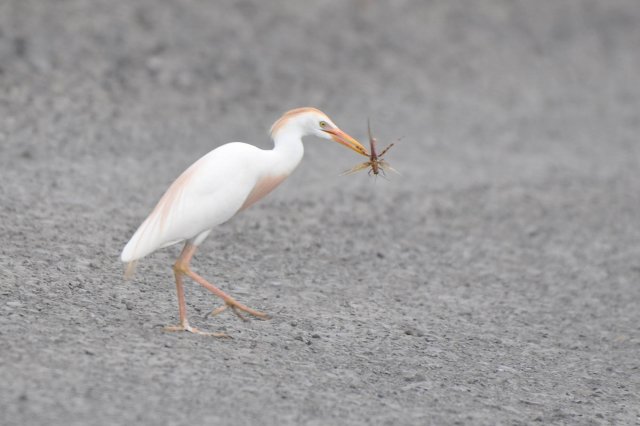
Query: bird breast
[263,186]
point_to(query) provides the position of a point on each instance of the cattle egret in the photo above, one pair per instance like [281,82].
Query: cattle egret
[215,188]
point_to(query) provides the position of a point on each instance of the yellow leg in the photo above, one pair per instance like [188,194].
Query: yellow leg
[182,267]
[182,309]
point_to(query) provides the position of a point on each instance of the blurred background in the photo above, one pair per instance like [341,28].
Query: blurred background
[493,280]
[542,83]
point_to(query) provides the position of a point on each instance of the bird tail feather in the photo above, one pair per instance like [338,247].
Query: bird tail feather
[130,270]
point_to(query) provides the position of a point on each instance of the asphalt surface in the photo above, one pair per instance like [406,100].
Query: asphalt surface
[494,281]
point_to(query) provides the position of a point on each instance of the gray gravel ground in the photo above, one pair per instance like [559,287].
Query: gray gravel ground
[495,281]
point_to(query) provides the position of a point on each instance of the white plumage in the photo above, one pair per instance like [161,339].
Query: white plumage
[219,185]
[195,202]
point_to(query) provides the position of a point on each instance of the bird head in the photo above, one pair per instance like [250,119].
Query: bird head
[313,122]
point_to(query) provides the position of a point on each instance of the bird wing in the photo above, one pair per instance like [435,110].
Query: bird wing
[207,194]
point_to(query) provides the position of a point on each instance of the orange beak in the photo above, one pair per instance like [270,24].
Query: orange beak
[346,140]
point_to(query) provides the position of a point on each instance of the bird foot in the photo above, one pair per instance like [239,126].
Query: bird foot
[236,308]
[187,327]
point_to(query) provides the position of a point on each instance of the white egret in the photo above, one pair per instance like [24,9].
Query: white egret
[215,188]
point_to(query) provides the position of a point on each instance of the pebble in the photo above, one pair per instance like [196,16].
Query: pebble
[413,332]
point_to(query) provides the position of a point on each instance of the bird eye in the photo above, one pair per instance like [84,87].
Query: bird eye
[323,124]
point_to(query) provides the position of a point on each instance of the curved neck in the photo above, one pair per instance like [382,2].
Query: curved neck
[288,149]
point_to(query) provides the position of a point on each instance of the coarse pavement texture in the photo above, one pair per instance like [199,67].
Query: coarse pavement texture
[494,281]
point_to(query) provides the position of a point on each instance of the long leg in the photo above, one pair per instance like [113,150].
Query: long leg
[182,305]
[228,300]
[182,266]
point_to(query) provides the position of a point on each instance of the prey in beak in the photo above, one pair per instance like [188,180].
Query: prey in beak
[376,163]
[346,140]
